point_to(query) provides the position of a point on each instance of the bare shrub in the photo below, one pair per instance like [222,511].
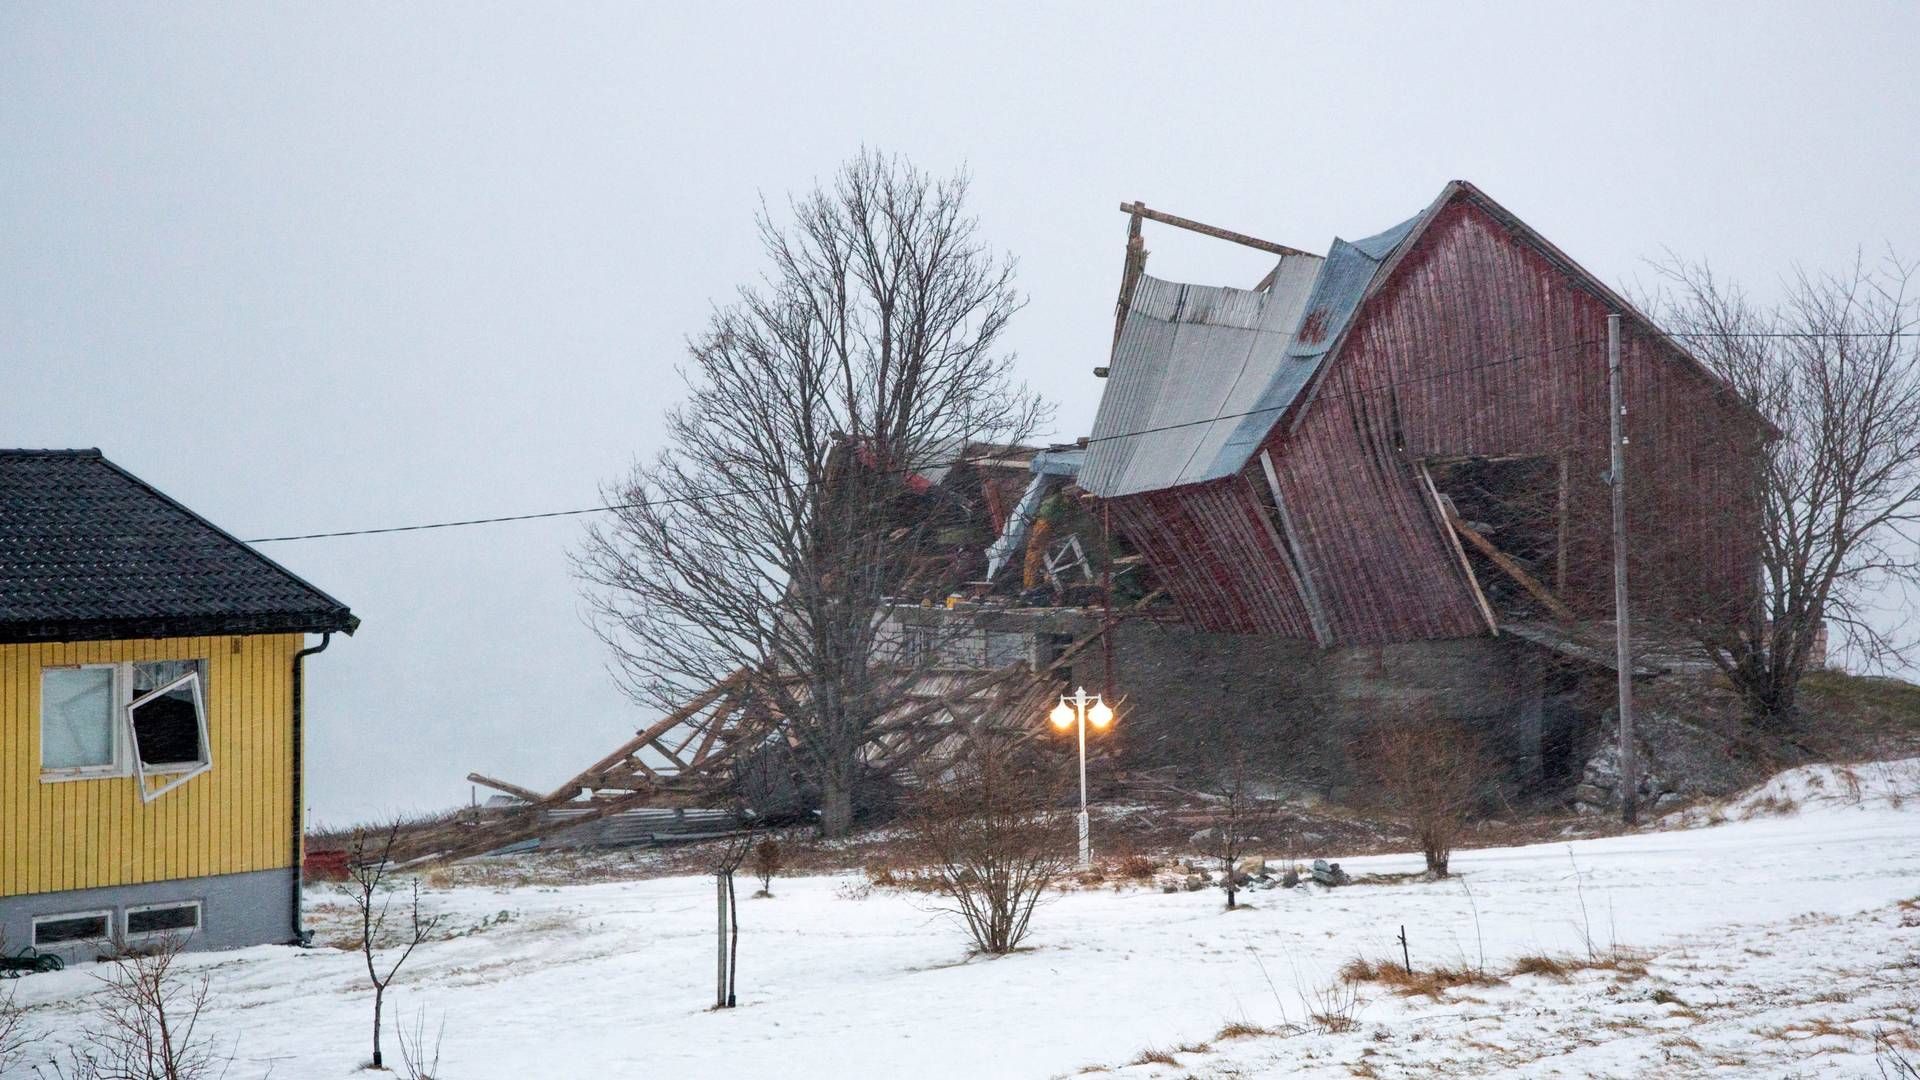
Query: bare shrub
[1333,1008]
[418,1059]
[14,1037]
[768,857]
[992,840]
[1428,774]
[146,1024]
[1895,1054]
[1236,809]
[369,888]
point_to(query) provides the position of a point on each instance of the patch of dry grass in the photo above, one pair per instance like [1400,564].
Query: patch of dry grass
[1431,982]
[1540,964]
[1240,1029]
[1770,806]
[1819,1027]
[1622,962]
[1151,1056]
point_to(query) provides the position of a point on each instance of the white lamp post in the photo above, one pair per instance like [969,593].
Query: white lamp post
[1082,710]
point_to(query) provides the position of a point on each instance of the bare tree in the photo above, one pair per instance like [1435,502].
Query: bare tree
[727,858]
[1235,809]
[369,861]
[1428,774]
[992,837]
[767,538]
[1835,368]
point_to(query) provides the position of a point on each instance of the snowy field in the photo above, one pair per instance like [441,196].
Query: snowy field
[1774,946]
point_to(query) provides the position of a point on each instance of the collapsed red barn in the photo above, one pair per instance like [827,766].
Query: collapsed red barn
[1370,487]
[1283,456]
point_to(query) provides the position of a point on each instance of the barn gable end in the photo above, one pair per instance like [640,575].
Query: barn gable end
[1470,355]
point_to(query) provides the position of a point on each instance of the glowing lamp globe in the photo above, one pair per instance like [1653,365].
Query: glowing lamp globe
[1062,716]
[1100,715]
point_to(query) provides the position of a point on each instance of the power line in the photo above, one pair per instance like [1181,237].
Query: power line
[770,489]
[1814,334]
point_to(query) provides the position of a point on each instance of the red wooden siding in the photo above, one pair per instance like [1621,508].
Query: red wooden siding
[1217,558]
[1477,343]
[1480,345]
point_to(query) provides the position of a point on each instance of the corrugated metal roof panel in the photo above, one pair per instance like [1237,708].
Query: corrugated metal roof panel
[1202,373]
[1191,359]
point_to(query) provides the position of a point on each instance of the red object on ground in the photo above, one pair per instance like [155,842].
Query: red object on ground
[326,866]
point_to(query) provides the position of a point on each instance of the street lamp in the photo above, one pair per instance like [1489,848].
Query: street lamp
[1083,710]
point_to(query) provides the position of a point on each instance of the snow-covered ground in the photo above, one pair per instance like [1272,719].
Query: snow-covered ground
[1776,944]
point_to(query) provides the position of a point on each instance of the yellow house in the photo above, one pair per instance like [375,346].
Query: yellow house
[150,716]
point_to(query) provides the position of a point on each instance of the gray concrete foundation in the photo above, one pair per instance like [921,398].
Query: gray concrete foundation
[236,910]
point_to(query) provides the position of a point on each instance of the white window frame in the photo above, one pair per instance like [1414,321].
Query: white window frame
[183,771]
[126,744]
[126,919]
[118,766]
[62,916]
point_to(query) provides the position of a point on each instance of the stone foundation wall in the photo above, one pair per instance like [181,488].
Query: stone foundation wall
[1297,711]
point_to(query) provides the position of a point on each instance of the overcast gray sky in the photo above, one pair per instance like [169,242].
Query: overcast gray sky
[344,266]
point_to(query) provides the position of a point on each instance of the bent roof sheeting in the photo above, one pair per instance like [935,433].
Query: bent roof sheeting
[1202,373]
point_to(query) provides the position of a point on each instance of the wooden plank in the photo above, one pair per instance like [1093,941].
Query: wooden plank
[514,790]
[1295,560]
[647,737]
[1563,529]
[1514,570]
[720,716]
[1134,265]
[1139,209]
[1473,581]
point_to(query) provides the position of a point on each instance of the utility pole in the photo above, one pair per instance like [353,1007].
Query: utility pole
[1623,651]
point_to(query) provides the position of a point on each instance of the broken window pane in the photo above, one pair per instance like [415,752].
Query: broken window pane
[168,727]
[76,718]
[151,675]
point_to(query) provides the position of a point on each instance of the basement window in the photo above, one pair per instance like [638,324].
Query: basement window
[163,918]
[168,720]
[64,929]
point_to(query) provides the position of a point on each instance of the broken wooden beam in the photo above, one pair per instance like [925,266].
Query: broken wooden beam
[1139,209]
[514,790]
[1513,570]
[1444,509]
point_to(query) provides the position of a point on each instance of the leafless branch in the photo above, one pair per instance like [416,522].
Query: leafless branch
[369,861]
[770,535]
[1833,367]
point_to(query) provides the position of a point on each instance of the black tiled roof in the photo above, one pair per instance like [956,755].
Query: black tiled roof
[90,552]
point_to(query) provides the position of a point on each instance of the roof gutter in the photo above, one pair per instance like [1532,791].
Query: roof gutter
[301,935]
